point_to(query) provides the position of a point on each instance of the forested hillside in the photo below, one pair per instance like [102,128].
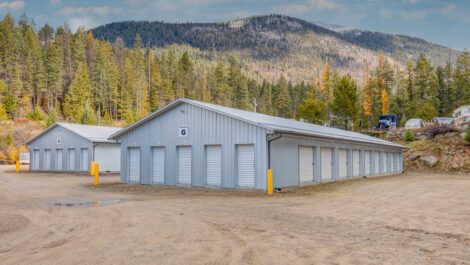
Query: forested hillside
[49,74]
[275,44]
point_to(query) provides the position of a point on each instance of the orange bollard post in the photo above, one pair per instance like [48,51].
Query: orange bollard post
[17,166]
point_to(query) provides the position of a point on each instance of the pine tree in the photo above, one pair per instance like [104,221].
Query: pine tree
[384,102]
[326,87]
[241,99]
[345,102]
[283,100]
[462,78]
[78,97]
[220,86]
[53,71]
[312,110]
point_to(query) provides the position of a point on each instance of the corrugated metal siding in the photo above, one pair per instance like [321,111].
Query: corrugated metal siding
[68,140]
[285,157]
[205,127]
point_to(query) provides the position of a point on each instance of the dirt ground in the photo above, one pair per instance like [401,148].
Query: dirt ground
[62,219]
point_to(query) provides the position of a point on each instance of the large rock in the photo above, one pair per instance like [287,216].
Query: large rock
[466,164]
[430,161]
[414,156]
[455,165]
[450,134]
[463,135]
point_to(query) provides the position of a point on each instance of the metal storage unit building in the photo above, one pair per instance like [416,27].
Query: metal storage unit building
[71,147]
[192,143]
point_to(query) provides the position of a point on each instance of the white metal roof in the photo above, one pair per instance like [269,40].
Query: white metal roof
[273,123]
[94,133]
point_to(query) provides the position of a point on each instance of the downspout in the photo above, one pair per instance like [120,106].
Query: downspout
[269,148]
[270,183]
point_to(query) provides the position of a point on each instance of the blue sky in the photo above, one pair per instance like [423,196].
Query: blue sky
[442,22]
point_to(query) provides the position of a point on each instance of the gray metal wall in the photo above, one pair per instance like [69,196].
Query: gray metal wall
[285,158]
[68,140]
[205,127]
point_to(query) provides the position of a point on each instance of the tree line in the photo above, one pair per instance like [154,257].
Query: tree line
[49,74]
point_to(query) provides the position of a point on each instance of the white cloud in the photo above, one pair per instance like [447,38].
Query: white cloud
[423,13]
[309,5]
[99,10]
[15,5]
[411,1]
[55,2]
[385,13]
[81,22]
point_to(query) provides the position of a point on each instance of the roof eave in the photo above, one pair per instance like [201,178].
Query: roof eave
[335,138]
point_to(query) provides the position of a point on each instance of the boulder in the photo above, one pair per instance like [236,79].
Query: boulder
[414,156]
[466,164]
[455,165]
[450,134]
[430,161]
[463,135]
[422,137]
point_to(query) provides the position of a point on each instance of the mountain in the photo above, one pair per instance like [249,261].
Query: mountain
[278,44]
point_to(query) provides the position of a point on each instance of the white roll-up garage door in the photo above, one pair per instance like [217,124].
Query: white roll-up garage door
[184,165]
[356,162]
[384,162]
[36,159]
[47,159]
[306,164]
[71,159]
[367,159]
[326,163]
[214,165]
[246,166]
[84,159]
[108,156]
[134,164]
[376,163]
[59,157]
[342,163]
[158,165]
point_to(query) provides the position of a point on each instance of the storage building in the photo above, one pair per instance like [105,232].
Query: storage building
[71,147]
[193,143]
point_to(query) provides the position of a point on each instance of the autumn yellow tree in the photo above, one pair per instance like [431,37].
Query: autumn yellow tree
[367,101]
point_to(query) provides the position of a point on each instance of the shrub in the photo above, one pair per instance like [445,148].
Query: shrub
[36,114]
[408,137]
[467,135]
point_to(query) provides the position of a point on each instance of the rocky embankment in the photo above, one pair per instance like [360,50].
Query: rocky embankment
[447,152]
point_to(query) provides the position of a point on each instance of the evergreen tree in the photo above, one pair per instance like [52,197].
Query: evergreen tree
[78,97]
[462,78]
[241,99]
[283,101]
[312,110]
[220,85]
[345,102]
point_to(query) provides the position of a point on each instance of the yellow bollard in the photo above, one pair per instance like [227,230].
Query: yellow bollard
[270,182]
[92,168]
[97,174]
[17,166]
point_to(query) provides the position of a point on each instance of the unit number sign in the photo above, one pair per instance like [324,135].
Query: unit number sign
[183,131]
